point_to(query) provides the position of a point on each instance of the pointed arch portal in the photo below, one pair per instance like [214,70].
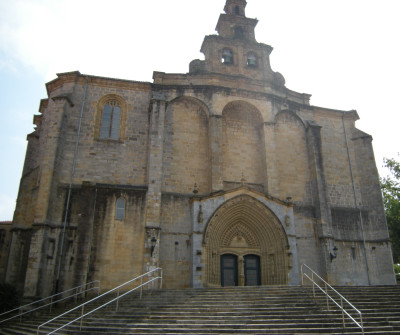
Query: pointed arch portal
[245,231]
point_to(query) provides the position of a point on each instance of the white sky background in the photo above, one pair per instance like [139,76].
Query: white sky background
[345,53]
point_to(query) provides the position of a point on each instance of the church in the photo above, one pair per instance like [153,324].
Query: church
[221,176]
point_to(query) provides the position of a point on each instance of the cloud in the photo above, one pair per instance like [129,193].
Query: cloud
[125,40]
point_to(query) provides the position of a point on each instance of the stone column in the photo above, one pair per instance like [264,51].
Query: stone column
[322,210]
[154,175]
[216,153]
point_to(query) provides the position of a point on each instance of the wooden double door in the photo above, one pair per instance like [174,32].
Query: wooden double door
[232,269]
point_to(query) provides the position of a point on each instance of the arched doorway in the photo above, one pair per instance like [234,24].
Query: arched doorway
[244,243]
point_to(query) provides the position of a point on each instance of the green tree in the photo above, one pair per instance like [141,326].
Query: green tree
[391,199]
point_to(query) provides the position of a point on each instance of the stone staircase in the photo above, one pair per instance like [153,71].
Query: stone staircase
[235,310]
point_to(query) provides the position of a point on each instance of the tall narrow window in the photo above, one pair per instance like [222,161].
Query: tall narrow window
[227,56]
[120,209]
[110,121]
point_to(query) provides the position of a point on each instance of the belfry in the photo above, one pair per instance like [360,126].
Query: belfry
[222,176]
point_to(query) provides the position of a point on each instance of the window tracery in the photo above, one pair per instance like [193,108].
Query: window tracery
[111,120]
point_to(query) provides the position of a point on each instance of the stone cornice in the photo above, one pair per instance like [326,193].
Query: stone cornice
[43,105]
[229,91]
[231,41]
[379,240]
[349,115]
[62,79]
[76,76]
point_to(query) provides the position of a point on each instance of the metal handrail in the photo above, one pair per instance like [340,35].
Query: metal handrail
[328,297]
[82,306]
[52,302]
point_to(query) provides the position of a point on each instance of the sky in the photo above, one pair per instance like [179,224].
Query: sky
[345,53]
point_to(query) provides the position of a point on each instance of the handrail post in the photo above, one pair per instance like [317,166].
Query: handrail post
[51,303]
[341,305]
[326,293]
[80,324]
[117,301]
[362,324]
[313,284]
[302,275]
[161,275]
[141,287]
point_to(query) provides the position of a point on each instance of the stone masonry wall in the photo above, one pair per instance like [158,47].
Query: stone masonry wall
[242,144]
[336,162]
[186,158]
[120,161]
[175,252]
[293,170]
[117,247]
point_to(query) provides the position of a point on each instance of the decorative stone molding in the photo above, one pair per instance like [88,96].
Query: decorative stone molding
[243,226]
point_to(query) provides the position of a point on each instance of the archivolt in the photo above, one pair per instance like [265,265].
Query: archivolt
[247,218]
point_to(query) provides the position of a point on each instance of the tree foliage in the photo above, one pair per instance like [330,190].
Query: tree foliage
[391,199]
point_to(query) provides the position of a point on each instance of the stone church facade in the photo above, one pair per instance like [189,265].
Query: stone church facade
[221,176]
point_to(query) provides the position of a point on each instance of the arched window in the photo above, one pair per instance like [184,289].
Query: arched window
[252,59]
[120,209]
[237,10]
[110,120]
[227,56]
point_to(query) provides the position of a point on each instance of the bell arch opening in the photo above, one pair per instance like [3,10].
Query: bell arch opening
[246,228]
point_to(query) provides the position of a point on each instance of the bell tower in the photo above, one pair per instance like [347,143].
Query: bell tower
[235,24]
[234,51]
[235,7]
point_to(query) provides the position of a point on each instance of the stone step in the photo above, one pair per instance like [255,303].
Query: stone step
[236,330]
[249,310]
